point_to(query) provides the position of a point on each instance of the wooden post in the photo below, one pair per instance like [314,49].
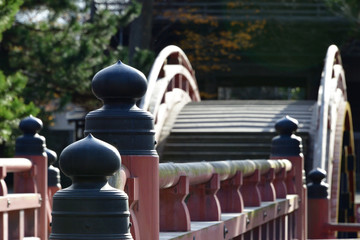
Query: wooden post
[289,146]
[131,130]
[32,146]
[90,208]
[318,205]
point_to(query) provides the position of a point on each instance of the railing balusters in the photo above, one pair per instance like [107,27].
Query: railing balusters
[250,190]
[172,201]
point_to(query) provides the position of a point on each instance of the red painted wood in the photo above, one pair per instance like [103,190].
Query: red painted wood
[132,190]
[319,209]
[246,225]
[344,227]
[250,190]
[31,222]
[279,183]
[35,181]
[3,187]
[17,209]
[266,186]
[51,191]
[146,169]
[4,225]
[14,225]
[203,203]
[174,214]
[290,181]
[16,164]
[229,194]
[300,189]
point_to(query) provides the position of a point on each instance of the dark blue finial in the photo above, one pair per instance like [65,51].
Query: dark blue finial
[51,156]
[286,144]
[89,157]
[120,122]
[30,125]
[317,188]
[286,125]
[119,83]
[53,172]
[90,208]
[30,143]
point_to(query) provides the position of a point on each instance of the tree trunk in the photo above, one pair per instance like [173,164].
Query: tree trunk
[140,29]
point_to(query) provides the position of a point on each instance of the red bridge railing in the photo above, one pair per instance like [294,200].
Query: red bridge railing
[232,198]
[218,200]
[25,205]
[242,199]
[24,211]
[18,210]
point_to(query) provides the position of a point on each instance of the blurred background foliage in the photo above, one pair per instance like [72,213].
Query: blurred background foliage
[278,44]
[49,52]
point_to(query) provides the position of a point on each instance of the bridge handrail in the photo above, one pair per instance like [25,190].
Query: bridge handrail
[201,172]
[171,83]
[16,164]
[214,189]
[19,201]
[332,92]
[157,70]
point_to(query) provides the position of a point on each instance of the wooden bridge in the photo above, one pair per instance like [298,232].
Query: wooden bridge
[228,169]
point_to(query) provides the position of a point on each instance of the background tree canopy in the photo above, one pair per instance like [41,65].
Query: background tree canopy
[59,48]
[54,48]
[277,43]
[12,105]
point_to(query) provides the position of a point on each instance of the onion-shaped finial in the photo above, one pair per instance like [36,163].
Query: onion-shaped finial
[30,125]
[30,143]
[286,144]
[119,83]
[89,157]
[317,188]
[286,125]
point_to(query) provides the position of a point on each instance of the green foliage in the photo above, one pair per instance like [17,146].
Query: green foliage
[62,52]
[347,8]
[50,54]
[12,108]
[143,59]
[209,42]
[8,9]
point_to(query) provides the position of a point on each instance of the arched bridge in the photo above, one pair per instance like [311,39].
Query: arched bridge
[188,129]
[223,174]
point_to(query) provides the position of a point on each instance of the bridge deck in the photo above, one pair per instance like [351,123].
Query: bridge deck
[235,129]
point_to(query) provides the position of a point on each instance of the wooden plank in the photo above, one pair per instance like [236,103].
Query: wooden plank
[18,201]
[237,223]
